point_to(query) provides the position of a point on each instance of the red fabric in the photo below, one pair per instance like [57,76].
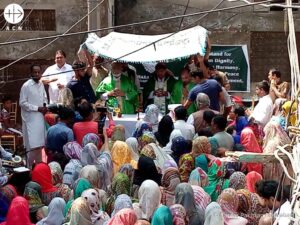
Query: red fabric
[51,118]
[41,174]
[248,140]
[80,129]
[110,128]
[251,179]
[18,212]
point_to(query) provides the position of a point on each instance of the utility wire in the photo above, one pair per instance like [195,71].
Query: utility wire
[186,7]
[135,24]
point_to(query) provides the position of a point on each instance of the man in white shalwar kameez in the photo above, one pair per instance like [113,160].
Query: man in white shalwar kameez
[32,98]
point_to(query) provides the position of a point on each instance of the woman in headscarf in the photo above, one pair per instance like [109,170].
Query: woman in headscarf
[72,151]
[33,195]
[202,199]
[55,213]
[146,138]
[89,155]
[179,214]
[165,128]
[98,216]
[41,174]
[169,182]
[250,207]
[18,212]
[121,154]
[123,217]
[249,141]
[175,133]
[146,171]
[179,147]
[162,216]
[142,222]
[134,147]
[120,185]
[274,136]
[151,116]
[184,195]
[237,181]
[149,199]
[91,138]
[92,174]
[123,201]
[141,128]
[186,166]
[80,213]
[214,214]
[57,180]
[198,177]
[216,180]
[7,194]
[128,170]
[251,179]
[229,202]
[106,168]
[65,98]
[201,148]
[118,134]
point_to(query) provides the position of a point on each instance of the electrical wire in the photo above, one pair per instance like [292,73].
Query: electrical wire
[268,5]
[135,24]
[186,7]
[45,46]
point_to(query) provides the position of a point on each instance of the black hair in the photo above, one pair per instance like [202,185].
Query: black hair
[181,113]
[267,189]
[189,145]
[239,111]
[264,85]
[230,130]
[76,65]
[186,68]
[66,113]
[61,52]
[219,79]
[207,64]
[199,74]
[34,65]
[85,109]
[6,98]
[208,115]
[220,121]
[77,101]
[160,66]
[276,72]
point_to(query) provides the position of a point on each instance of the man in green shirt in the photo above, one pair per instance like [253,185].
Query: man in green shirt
[181,90]
[118,90]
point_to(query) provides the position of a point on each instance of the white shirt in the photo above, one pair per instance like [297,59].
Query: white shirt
[187,130]
[62,79]
[160,84]
[284,214]
[263,111]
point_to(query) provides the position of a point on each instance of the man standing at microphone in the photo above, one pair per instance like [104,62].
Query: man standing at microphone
[32,101]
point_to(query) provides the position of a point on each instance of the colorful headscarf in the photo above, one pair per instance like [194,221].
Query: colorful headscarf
[165,128]
[89,155]
[214,214]
[237,181]
[149,199]
[128,170]
[106,168]
[57,173]
[41,174]
[81,185]
[118,133]
[72,150]
[93,201]
[202,199]
[134,147]
[123,217]
[55,213]
[33,194]
[168,164]
[201,161]
[184,195]
[93,175]
[7,194]
[141,128]
[201,145]
[146,138]
[121,154]
[179,214]
[229,202]
[216,181]
[186,166]
[148,151]
[120,185]
[80,212]
[169,182]
[179,147]
[293,115]
[19,206]
[142,222]
[91,138]
[162,216]
[198,177]
[123,201]
[251,179]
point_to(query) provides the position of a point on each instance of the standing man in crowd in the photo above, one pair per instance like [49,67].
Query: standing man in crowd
[32,100]
[57,76]
[158,88]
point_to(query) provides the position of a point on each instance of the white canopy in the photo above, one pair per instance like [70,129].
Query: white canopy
[118,46]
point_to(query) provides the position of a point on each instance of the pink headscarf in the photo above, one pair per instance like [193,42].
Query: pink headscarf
[202,199]
[251,179]
[124,217]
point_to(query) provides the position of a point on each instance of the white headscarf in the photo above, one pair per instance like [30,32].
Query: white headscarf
[56,213]
[151,116]
[175,133]
[149,200]
[214,214]
[134,147]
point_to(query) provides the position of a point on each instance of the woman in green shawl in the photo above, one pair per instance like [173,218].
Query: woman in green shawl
[162,216]
[216,181]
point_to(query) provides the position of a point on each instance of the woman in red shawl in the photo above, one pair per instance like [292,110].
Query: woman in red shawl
[18,213]
[41,174]
[248,140]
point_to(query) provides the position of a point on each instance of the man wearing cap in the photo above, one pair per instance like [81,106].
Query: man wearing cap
[80,85]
